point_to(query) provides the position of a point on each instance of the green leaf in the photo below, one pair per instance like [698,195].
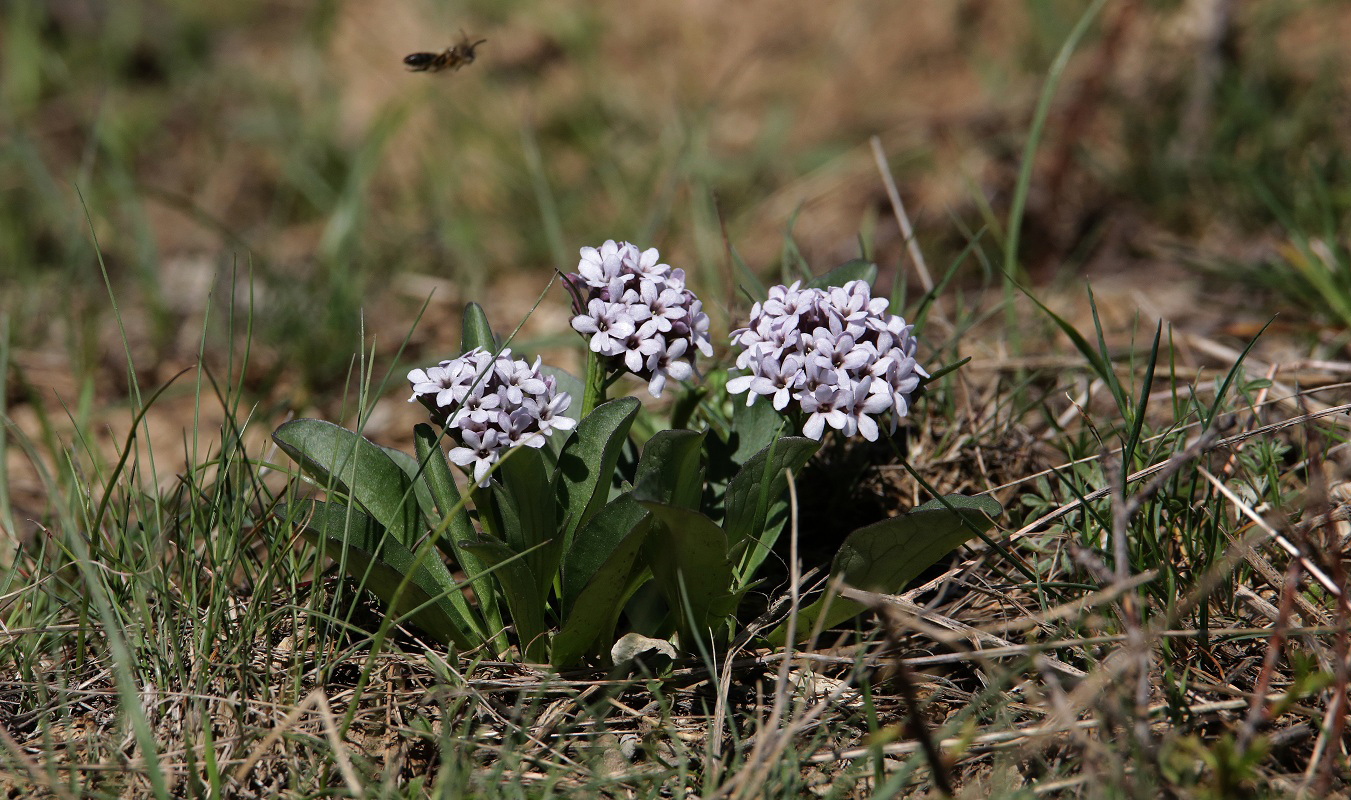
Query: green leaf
[1142,405]
[476,330]
[756,493]
[943,370]
[606,589]
[518,589]
[753,428]
[1097,359]
[430,598]
[858,269]
[596,542]
[887,555]
[413,470]
[687,553]
[525,487]
[587,463]
[440,481]
[1222,393]
[669,470]
[339,459]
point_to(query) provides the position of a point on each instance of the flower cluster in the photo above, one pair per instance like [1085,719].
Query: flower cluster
[836,354]
[490,405]
[638,314]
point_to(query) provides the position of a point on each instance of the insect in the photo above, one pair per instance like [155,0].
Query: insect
[451,58]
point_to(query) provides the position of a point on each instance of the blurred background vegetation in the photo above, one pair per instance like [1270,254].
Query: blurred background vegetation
[276,152]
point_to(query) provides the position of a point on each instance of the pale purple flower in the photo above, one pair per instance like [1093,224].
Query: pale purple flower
[664,303]
[834,354]
[599,265]
[668,363]
[697,322]
[822,406]
[637,314]
[489,405]
[519,378]
[478,453]
[521,429]
[779,381]
[644,264]
[789,302]
[550,414]
[645,342]
[609,324]
[436,381]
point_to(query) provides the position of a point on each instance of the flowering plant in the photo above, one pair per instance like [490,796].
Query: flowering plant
[579,524]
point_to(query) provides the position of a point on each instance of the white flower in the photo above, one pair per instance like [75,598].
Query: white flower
[599,266]
[494,404]
[821,405]
[645,342]
[479,450]
[435,381]
[550,413]
[834,354]
[636,313]
[668,363]
[607,323]
[518,379]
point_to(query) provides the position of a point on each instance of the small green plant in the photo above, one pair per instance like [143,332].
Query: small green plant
[570,534]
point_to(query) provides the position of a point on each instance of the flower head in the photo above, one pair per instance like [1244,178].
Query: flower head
[490,405]
[637,314]
[834,354]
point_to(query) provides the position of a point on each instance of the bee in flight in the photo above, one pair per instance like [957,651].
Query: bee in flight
[451,58]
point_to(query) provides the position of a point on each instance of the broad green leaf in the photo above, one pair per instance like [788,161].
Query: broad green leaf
[476,330]
[497,514]
[756,492]
[596,542]
[381,561]
[440,481]
[339,459]
[688,557]
[595,604]
[688,401]
[587,463]
[885,556]
[669,470]
[525,486]
[518,589]
[754,427]
[413,470]
[856,270]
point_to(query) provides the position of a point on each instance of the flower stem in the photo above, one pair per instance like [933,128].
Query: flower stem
[594,390]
